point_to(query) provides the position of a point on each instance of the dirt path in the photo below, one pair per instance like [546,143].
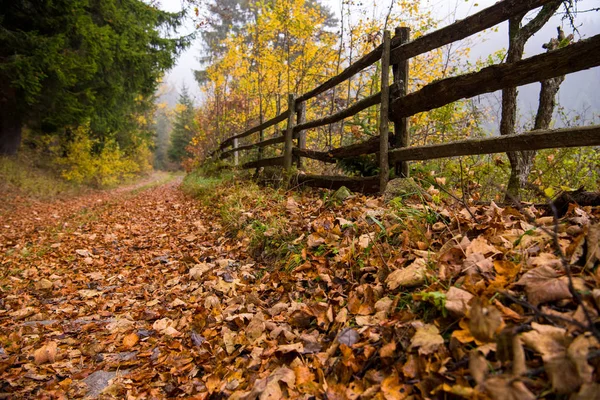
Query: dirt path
[140,293]
[83,284]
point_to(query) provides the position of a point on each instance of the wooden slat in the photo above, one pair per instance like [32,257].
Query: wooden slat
[368,147]
[265,162]
[264,143]
[289,133]
[534,140]
[364,185]
[345,113]
[484,19]
[281,117]
[401,134]
[575,57]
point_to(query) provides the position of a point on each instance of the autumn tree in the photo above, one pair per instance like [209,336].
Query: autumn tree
[68,61]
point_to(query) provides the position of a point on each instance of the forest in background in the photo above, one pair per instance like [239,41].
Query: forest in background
[84,96]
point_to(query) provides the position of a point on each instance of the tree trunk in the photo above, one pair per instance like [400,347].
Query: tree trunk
[520,163]
[10,123]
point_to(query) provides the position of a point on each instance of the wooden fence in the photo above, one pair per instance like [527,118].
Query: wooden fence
[397,104]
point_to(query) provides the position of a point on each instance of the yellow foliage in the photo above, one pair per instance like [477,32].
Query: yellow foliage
[107,167]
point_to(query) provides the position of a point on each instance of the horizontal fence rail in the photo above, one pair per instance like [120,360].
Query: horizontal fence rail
[571,58]
[534,140]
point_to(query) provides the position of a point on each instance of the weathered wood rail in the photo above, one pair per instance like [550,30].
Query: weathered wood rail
[397,105]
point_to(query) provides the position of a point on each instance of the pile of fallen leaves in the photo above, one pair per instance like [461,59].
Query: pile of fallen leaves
[154,295]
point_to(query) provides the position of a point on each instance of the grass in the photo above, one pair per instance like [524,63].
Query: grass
[246,210]
[20,175]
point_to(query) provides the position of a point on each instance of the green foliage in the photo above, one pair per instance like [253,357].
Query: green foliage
[184,127]
[438,299]
[363,165]
[570,168]
[66,61]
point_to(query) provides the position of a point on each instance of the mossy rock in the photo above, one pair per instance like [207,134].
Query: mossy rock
[341,194]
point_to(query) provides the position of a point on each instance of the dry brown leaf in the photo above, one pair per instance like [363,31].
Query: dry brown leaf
[388,350]
[392,389]
[413,275]
[427,339]
[478,366]
[507,269]
[593,246]
[291,205]
[457,301]
[46,353]
[130,340]
[507,389]
[256,327]
[543,285]
[481,245]
[484,321]
[314,240]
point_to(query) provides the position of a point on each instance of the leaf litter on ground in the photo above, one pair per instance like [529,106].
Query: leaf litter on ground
[155,294]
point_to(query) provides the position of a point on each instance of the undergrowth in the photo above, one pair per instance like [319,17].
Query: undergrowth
[21,175]
[247,211]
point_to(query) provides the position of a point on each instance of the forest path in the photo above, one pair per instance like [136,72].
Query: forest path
[83,284]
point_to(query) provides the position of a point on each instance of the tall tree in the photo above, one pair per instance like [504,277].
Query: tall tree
[519,34]
[65,61]
[184,127]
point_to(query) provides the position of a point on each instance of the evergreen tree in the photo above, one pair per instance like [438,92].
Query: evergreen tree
[66,61]
[161,140]
[184,127]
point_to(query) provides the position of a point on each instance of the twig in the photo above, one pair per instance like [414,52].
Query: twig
[542,314]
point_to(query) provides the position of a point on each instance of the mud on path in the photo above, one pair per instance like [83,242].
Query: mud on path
[97,288]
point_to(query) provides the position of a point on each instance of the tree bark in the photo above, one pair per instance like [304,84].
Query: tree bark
[518,36]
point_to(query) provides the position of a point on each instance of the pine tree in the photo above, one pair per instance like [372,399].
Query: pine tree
[66,61]
[184,127]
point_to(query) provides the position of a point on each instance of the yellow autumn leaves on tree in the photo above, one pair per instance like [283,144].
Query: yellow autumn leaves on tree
[291,46]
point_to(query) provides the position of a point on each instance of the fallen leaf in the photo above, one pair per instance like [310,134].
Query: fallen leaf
[457,301]
[593,246]
[427,339]
[413,275]
[348,336]
[130,340]
[484,321]
[500,388]
[543,285]
[478,366]
[46,353]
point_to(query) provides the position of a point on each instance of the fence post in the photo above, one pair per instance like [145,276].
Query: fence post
[289,133]
[235,153]
[384,167]
[300,118]
[261,134]
[401,138]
